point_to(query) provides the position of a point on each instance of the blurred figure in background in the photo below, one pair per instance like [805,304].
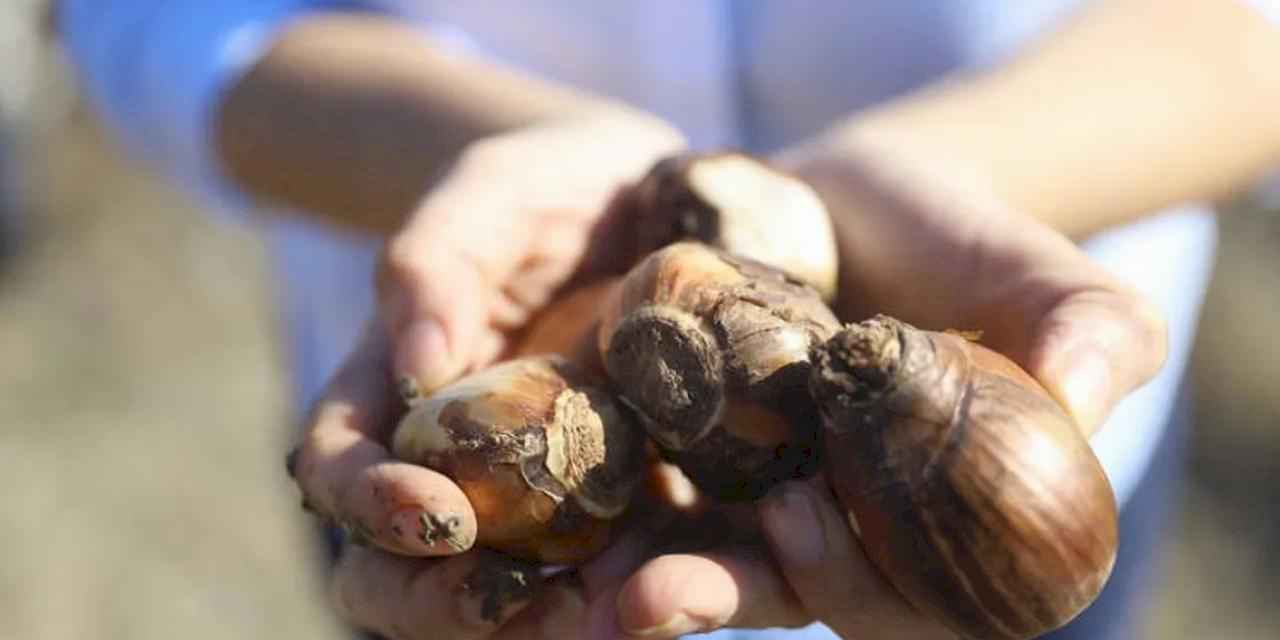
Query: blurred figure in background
[1049,160]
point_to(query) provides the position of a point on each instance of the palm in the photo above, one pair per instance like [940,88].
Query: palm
[518,218]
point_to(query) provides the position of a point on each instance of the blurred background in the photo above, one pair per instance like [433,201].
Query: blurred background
[143,418]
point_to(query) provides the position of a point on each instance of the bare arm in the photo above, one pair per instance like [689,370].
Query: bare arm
[353,116]
[1133,105]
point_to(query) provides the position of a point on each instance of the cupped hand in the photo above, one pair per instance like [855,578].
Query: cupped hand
[407,569]
[931,248]
[520,216]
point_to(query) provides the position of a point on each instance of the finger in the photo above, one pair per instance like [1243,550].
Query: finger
[604,575]
[825,565]
[1089,339]
[618,560]
[459,598]
[558,613]
[656,530]
[1094,347]
[678,594]
[347,475]
[439,278]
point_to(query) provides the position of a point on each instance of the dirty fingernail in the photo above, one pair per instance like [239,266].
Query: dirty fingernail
[434,533]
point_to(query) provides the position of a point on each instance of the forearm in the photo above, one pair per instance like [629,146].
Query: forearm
[1134,105]
[352,116]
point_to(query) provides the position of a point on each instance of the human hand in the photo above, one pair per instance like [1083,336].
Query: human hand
[519,217]
[407,568]
[922,245]
[923,241]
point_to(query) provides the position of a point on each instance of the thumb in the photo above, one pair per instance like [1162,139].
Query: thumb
[438,285]
[824,563]
[1095,346]
[1087,337]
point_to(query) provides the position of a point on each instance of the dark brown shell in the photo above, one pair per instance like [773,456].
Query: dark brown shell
[712,351]
[972,490]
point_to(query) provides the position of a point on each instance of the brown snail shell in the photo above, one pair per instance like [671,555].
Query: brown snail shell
[971,489]
[712,351]
[546,457]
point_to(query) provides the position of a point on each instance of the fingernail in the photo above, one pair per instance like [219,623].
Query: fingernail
[431,532]
[1085,387]
[422,360]
[792,524]
[678,625]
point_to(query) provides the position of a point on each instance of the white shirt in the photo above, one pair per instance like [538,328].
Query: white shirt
[756,75]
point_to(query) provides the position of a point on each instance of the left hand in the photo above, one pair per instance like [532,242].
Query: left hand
[917,242]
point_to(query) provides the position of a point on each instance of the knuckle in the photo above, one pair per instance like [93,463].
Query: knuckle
[301,467]
[299,472]
[403,263]
[303,459]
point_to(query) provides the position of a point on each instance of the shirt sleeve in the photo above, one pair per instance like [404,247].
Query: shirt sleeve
[154,71]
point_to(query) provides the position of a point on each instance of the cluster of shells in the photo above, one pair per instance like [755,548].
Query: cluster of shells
[969,487]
